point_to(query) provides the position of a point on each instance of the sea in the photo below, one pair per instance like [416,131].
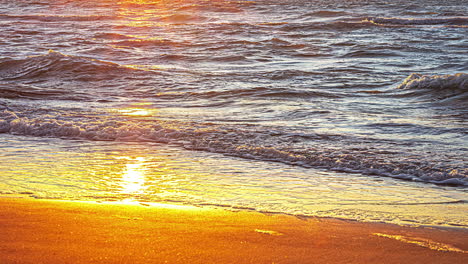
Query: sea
[352,109]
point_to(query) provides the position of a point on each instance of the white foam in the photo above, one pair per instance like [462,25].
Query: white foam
[242,143]
[439,82]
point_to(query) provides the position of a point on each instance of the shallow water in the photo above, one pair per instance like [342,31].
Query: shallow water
[161,173]
[353,109]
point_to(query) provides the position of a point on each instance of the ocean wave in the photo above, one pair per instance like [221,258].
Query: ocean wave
[260,143]
[371,54]
[181,18]
[335,25]
[55,64]
[23,91]
[260,92]
[58,18]
[418,81]
[147,43]
[440,89]
[112,36]
[449,21]
[192,6]
[211,6]
[132,41]
[278,44]
[327,13]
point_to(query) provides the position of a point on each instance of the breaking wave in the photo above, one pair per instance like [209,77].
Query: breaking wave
[457,81]
[441,89]
[259,143]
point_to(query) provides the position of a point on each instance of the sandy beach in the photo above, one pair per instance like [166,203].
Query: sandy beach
[44,231]
[249,131]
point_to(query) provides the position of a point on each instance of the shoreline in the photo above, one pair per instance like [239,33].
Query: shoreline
[179,204]
[52,231]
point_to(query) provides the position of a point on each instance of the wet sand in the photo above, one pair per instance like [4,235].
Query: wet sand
[44,231]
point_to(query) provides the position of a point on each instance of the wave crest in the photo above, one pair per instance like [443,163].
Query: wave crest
[449,21]
[59,18]
[236,141]
[418,81]
[56,64]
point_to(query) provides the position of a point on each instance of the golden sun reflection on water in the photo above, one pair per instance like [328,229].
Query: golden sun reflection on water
[134,177]
[136,109]
[135,112]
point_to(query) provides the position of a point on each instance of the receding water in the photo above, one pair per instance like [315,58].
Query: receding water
[125,171]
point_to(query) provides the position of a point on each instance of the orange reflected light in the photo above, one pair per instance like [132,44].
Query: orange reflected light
[137,109]
[143,67]
[133,179]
